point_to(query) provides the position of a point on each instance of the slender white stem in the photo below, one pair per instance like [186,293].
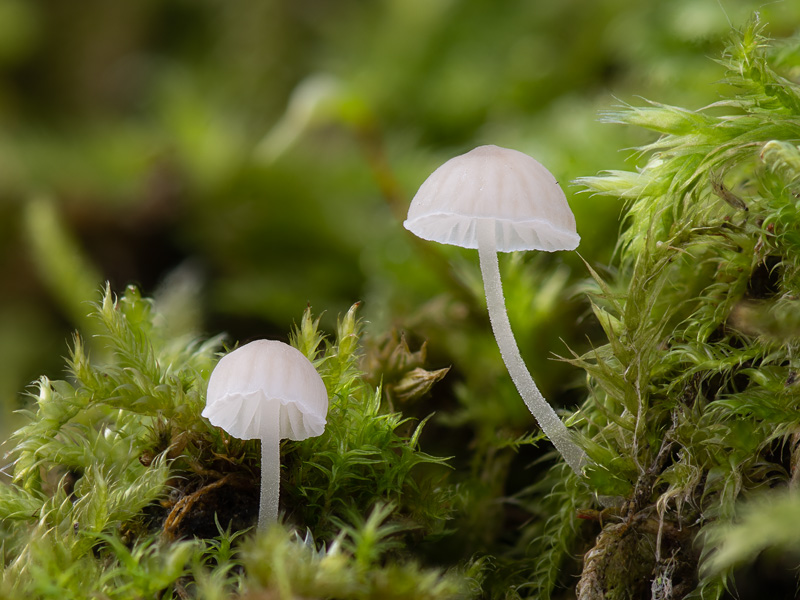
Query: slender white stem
[270,470]
[544,414]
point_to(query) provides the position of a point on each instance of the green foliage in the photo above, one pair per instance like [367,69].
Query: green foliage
[693,399]
[769,521]
[68,273]
[188,131]
[547,545]
[77,475]
[115,469]
[351,566]
[119,489]
[365,454]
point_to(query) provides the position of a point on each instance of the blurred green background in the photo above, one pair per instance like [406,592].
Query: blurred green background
[240,160]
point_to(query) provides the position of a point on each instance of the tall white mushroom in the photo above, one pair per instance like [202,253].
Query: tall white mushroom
[500,200]
[267,390]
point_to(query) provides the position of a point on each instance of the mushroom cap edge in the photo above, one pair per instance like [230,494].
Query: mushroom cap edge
[250,383]
[507,187]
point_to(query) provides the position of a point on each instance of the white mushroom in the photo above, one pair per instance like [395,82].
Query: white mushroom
[500,200]
[267,390]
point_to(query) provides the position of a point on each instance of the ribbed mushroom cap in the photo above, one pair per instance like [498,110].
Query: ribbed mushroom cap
[249,382]
[507,187]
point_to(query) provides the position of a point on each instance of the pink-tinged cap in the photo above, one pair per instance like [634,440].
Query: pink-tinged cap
[249,383]
[511,189]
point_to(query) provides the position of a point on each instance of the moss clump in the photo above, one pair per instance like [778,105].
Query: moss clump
[693,401]
[120,488]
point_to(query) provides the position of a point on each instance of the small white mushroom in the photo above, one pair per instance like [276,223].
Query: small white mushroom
[500,200]
[267,390]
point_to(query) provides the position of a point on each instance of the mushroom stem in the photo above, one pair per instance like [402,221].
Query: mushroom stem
[544,414]
[270,469]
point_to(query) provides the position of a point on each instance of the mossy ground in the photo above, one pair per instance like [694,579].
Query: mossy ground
[119,489]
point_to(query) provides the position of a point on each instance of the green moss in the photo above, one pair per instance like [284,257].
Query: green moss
[692,400]
[120,489]
[115,471]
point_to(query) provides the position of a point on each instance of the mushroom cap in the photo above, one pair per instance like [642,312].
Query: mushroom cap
[511,189]
[248,383]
